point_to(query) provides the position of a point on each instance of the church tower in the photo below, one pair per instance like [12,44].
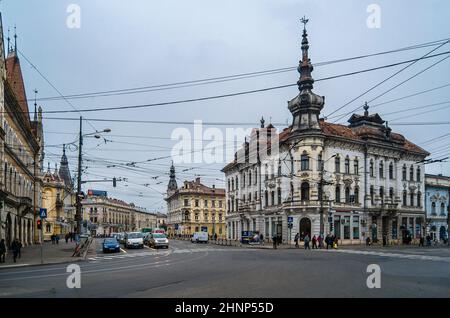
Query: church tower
[306,106]
[172,186]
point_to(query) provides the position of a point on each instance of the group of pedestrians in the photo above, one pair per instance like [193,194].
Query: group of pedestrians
[316,242]
[16,247]
[69,236]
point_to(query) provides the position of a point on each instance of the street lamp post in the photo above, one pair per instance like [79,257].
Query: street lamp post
[78,213]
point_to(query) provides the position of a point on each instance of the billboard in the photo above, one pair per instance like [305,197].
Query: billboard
[97,193]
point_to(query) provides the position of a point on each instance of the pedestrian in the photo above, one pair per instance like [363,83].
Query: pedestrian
[314,242]
[328,240]
[57,239]
[15,249]
[52,238]
[335,241]
[274,241]
[19,248]
[2,251]
[320,240]
[71,236]
[297,236]
[306,241]
[67,238]
[261,238]
[421,241]
[368,241]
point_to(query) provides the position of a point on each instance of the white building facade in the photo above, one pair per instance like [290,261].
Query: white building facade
[355,181]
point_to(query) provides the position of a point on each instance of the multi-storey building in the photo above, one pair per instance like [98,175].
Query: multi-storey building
[437,205]
[357,181]
[21,152]
[105,215]
[58,197]
[195,207]
[161,220]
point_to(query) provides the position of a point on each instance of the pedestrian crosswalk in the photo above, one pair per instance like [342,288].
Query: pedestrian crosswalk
[107,257]
[393,255]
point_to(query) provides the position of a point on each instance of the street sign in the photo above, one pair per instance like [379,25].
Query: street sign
[290,219]
[290,225]
[43,213]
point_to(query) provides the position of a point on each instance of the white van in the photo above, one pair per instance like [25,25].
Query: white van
[200,237]
[134,239]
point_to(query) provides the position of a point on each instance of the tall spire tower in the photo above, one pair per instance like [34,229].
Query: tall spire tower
[172,186]
[306,106]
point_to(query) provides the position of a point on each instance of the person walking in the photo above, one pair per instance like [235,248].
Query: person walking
[274,241]
[421,241]
[57,238]
[67,237]
[15,249]
[297,236]
[2,251]
[19,248]
[306,241]
[320,241]
[261,239]
[314,242]
[328,240]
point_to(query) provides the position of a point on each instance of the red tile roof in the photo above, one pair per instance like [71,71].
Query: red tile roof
[15,80]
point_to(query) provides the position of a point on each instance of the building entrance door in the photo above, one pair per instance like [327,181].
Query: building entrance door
[305,227]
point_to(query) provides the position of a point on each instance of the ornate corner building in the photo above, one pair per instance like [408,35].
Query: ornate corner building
[195,207]
[437,205]
[21,152]
[58,197]
[356,181]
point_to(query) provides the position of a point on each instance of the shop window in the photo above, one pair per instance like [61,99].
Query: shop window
[355,227]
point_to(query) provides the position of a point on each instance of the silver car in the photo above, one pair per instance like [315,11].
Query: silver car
[158,240]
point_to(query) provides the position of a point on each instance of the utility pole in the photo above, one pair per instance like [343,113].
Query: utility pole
[78,214]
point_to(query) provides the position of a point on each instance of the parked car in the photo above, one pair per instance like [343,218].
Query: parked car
[158,240]
[199,237]
[134,239]
[111,245]
[146,238]
[121,238]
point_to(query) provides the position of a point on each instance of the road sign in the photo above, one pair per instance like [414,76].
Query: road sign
[290,219]
[43,213]
[290,225]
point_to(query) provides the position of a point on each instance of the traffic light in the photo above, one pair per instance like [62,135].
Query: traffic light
[114,182]
[39,224]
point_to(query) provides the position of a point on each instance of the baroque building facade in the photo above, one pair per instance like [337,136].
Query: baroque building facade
[21,152]
[104,215]
[355,181]
[58,197]
[437,205]
[195,207]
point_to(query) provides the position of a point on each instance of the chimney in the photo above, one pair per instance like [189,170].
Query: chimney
[197,180]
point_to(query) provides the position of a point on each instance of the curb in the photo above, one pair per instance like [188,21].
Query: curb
[45,263]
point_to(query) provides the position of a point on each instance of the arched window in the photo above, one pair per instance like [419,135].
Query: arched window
[337,164]
[266,198]
[371,170]
[243,180]
[237,182]
[279,195]
[304,191]
[442,208]
[411,173]
[418,175]
[347,194]
[250,177]
[433,208]
[404,173]
[338,194]
[381,169]
[391,171]
[391,194]
[382,195]
[419,199]
[411,199]
[356,166]
[304,161]
[250,197]
[372,195]
[347,165]
[404,199]
[356,195]
[232,184]
[272,197]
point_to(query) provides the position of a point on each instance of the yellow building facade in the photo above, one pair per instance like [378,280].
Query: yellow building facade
[195,207]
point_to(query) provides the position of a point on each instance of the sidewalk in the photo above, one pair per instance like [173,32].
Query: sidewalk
[52,254]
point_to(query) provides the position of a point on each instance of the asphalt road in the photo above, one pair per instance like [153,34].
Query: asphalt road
[191,270]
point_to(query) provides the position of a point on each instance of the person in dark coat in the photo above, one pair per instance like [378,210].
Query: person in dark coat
[2,251]
[306,241]
[328,241]
[15,249]
[314,242]
[275,241]
[19,248]
[296,238]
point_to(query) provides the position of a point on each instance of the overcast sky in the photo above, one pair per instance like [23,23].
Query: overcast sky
[126,44]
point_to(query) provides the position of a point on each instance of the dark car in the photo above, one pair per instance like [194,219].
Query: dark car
[111,245]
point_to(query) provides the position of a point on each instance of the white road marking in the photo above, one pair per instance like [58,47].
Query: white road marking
[123,251]
[11,266]
[399,255]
